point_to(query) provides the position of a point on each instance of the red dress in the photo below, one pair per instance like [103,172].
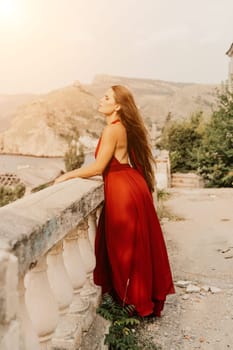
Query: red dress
[131,256]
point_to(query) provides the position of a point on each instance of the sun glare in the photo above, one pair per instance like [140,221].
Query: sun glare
[8,10]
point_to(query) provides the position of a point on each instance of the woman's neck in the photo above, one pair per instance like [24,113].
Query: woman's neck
[111,118]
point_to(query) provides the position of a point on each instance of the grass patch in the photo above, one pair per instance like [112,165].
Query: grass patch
[163,211]
[162,195]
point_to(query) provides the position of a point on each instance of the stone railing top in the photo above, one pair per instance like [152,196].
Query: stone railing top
[30,226]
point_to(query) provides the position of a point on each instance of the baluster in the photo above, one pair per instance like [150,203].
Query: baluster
[29,338]
[76,270]
[68,331]
[58,278]
[41,305]
[88,258]
[92,226]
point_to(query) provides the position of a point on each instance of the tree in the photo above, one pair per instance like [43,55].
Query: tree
[74,157]
[10,194]
[203,146]
[183,139]
[216,152]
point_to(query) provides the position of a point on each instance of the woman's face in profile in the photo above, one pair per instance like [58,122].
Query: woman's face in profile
[107,103]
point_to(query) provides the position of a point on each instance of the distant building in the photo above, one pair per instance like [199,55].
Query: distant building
[230,73]
[9,179]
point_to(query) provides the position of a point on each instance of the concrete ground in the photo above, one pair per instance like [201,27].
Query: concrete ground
[199,236]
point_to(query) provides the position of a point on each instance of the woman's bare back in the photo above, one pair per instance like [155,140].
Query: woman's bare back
[121,152]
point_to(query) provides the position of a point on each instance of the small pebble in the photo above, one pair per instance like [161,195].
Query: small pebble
[182,284]
[215,290]
[192,289]
[185,297]
[164,220]
[205,288]
[186,329]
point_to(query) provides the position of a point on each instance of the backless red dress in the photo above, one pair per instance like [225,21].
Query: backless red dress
[131,256]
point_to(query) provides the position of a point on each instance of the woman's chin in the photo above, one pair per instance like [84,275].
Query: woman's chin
[100,110]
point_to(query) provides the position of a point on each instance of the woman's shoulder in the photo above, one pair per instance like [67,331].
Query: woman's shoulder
[113,129]
[109,132]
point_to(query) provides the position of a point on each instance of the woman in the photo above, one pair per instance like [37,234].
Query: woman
[131,257]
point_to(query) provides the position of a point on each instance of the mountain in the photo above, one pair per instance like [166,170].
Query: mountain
[8,107]
[44,125]
[156,98]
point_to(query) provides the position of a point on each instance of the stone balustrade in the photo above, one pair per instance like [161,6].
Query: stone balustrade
[47,295]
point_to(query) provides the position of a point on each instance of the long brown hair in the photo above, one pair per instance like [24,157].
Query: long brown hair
[139,149]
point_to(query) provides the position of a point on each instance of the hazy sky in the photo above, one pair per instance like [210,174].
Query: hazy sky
[47,44]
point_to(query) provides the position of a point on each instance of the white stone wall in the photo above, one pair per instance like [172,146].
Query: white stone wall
[163,170]
[230,70]
[230,75]
[231,67]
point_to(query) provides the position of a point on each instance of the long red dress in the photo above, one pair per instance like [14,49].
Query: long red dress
[131,256]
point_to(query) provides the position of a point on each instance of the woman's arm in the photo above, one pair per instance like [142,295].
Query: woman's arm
[105,153]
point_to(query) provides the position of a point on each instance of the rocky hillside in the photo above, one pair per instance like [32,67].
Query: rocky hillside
[8,108]
[43,126]
[156,98]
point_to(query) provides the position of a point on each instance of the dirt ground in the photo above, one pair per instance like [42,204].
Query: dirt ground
[200,245]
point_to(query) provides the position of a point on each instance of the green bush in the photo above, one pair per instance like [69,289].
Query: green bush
[183,139]
[10,194]
[216,151]
[121,335]
[74,157]
[205,147]
[125,328]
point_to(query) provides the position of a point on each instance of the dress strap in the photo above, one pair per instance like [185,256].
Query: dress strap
[115,121]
